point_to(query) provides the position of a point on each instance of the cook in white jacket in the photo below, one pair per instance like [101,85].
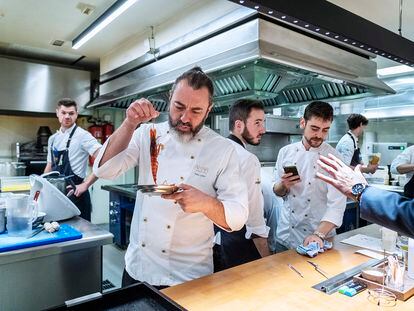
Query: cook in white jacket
[172,236]
[246,123]
[312,209]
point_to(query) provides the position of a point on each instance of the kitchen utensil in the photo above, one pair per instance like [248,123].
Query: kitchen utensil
[21,213]
[39,219]
[157,189]
[296,270]
[319,270]
[36,232]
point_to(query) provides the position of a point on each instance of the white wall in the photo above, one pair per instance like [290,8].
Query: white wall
[199,14]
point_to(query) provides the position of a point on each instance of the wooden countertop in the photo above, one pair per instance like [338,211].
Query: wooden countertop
[269,284]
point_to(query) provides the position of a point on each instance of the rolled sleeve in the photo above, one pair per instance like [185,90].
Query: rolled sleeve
[404,158]
[120,163]
[232,192]
[90,144]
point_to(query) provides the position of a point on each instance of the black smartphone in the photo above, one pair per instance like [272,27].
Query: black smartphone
[291,169]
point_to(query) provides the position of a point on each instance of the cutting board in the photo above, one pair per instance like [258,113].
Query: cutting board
[66,233]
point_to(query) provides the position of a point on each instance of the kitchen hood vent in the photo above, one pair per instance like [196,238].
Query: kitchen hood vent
[257,59]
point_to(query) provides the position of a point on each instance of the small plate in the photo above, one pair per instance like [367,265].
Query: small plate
[157,189]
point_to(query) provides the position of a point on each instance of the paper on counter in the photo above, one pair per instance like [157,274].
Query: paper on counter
[367,242]
[370,254]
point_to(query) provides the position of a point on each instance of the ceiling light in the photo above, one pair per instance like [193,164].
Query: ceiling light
[394,70]
[102,21]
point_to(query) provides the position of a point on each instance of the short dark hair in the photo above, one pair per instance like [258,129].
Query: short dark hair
[67,102]
[197,79]
[355,120]
[318,109]
[241,109]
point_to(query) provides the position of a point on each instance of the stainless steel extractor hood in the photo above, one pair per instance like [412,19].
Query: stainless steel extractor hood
[257,59]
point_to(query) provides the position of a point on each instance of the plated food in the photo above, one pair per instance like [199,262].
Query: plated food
[157,189]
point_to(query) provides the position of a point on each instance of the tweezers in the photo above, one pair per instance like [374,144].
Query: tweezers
[319,270]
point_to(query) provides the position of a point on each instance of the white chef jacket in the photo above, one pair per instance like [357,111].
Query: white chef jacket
[406,157]
[82,145]
[250,173]
[310,201]
[168,246]
[346,147]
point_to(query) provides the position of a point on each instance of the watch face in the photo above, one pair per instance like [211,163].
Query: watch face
[357,189]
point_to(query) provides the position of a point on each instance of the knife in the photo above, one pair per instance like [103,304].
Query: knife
[319,270]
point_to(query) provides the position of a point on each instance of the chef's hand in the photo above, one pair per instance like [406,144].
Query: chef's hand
[81,188]
[140,111]
[190,199]
[343,177]
[288,180]
[313,238]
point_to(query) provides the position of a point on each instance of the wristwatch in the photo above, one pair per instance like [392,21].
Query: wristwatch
[357,190]
[320,235]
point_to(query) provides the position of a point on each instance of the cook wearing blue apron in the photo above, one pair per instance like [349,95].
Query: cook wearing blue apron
[61,163]
[356,157]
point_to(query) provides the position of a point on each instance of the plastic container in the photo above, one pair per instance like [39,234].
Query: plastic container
[2,219]
[389,239]
[410,272]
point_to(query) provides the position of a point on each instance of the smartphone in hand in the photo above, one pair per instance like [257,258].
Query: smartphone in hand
[291,169]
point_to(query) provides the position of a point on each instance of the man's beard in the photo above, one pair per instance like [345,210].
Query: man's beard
[249,138]
[184,137]
[314,142]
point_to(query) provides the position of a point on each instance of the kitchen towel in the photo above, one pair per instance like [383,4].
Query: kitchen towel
[313,248]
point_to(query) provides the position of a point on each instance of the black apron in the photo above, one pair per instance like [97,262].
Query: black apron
[356,157]
[409,188]
[235,249]
[61,163]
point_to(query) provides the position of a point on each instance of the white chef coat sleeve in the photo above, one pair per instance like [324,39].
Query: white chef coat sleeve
[345,148]
[406,157]
[256,222]
[89,143]
[232,191]
[120,163]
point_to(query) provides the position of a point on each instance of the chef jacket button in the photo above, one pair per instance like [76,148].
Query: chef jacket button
[192,157]
[199,139]
[293,227]
[168,132]
[181,177]
[308,200]
[309,183]
[294,196]
[304,229]
[168,227]
[143,244]
[306,215]
[145,219]
[163,251]
[314,166]
[293,211]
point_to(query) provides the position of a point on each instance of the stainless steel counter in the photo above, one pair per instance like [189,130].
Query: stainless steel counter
[127,190]
[41,277]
